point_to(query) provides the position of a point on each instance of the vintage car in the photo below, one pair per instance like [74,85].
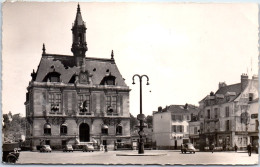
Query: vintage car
[45,148]
[188,147]
[88,147]
[68,148]
[10,152]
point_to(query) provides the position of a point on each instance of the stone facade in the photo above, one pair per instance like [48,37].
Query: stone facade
[171,125]
[77,99]
[229,116]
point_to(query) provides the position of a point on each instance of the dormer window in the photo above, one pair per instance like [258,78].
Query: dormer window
[52,77]
[251,95]
[108,80]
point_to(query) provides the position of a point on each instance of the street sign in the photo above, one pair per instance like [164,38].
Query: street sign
[141,117]
[143,126]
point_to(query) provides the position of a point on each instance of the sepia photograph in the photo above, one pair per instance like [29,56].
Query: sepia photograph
[130,83]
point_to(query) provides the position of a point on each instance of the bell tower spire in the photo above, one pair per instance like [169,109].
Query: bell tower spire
[79,44]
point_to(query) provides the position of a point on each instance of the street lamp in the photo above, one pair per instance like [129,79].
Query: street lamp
[141,116]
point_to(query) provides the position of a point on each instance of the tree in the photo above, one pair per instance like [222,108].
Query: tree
[133,122]
[149,121]
[14,126]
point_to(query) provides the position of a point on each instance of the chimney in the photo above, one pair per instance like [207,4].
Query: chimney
[221,84]
[186,106]
[244,81]
[160,109]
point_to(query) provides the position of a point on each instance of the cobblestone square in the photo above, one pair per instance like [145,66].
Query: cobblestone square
[171,157]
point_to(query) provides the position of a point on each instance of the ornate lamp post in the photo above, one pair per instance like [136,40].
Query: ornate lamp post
[141,116]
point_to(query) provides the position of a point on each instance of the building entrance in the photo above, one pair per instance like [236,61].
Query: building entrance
[84,132]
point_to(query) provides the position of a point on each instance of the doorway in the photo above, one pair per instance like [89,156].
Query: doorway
[84,132]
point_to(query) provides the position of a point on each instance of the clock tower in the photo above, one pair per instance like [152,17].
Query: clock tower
[79,45]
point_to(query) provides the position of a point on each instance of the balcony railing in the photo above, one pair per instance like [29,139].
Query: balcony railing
[85,113]
[55,113]
[112,114]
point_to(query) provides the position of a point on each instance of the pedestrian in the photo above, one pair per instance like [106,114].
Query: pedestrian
[224,147]
[182,147]
[212,147]
[105,147]
[101,147]
[235,148]
[249,149]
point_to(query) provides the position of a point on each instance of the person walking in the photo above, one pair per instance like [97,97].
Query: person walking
[235,148]
[249,149]
[212,147]
[181,147]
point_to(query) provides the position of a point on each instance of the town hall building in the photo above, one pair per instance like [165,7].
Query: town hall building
[77,99]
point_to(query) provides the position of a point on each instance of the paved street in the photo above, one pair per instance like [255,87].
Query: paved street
[171,157]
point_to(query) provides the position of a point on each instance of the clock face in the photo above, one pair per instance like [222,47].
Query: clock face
[83,76]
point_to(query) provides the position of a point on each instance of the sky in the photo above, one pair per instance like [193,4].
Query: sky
[186,49]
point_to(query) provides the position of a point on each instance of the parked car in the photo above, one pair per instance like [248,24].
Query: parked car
[10,152]
[188,147]
[88,147]
[45,148]
[68,148]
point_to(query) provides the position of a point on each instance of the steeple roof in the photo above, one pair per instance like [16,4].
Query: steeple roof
[78,20]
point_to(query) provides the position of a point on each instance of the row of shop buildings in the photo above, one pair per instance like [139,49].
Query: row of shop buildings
[226,118]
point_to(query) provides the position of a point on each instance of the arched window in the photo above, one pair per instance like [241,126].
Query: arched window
[104,129]
[47,129]
[119,130]
[52,77]
[80,38]
[63,129]
[108,80]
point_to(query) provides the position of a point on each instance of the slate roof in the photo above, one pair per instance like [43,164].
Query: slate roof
[179,109]
[78,19]
[237,88]
[64,64]
[230,88]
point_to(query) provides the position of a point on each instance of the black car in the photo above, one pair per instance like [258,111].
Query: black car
[10,152]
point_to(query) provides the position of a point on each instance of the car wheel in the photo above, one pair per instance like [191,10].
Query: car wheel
[194,152]
[11,159]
